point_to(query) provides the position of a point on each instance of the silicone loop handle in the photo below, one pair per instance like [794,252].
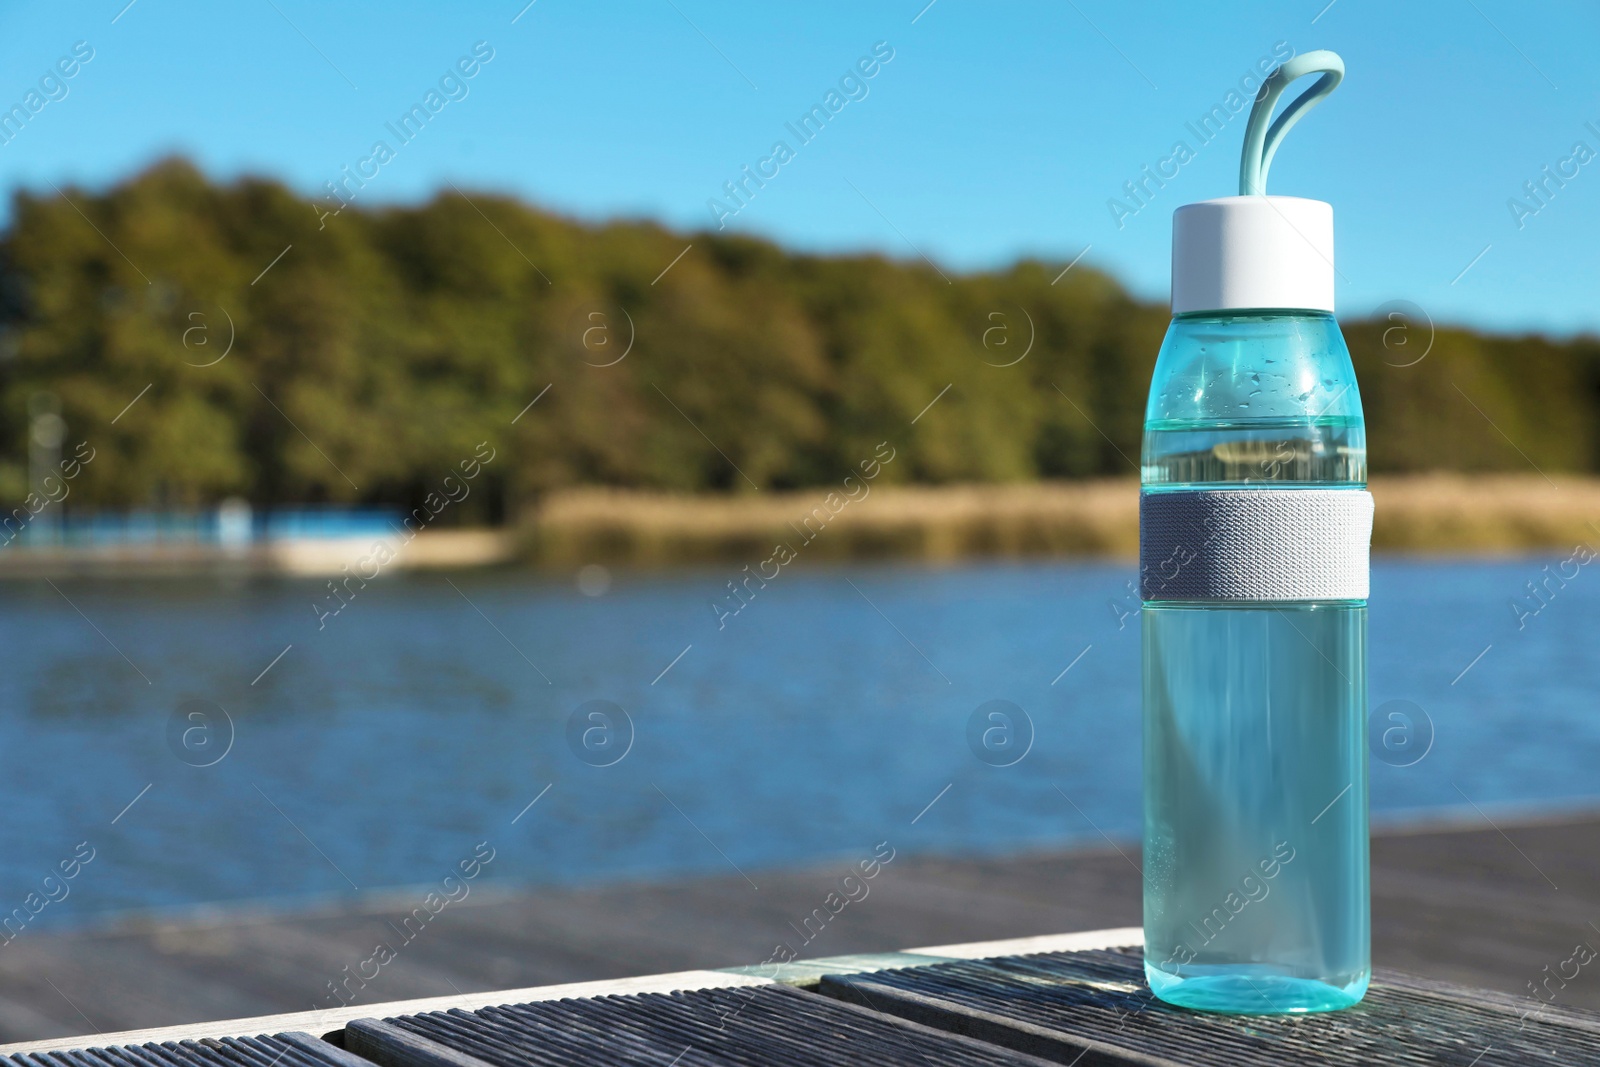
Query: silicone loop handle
[1261,141]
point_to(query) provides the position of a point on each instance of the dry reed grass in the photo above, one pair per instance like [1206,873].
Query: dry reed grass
[1432,512]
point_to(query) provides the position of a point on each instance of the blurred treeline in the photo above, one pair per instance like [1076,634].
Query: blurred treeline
[394,340]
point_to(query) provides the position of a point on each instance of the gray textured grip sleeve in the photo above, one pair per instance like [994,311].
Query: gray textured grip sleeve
[1254,544]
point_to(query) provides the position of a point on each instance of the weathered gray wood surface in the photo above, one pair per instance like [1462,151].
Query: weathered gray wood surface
[1095,1007]
[1083,1007]
[1462,905]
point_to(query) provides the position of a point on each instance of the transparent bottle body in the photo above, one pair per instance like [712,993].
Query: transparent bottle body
[1256,892]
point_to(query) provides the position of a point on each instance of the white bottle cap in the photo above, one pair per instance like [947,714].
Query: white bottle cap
[1252,252]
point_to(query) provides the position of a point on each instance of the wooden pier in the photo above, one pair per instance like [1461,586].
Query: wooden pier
[1063,999]
[1498,908]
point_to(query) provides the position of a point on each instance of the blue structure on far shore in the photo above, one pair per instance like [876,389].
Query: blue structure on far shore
[233,524]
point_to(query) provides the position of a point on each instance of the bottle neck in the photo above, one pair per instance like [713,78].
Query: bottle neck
[1252,314]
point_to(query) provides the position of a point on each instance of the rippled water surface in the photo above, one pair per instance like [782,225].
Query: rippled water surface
[833,711]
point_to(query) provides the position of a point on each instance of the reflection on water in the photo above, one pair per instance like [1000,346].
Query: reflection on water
[832,713]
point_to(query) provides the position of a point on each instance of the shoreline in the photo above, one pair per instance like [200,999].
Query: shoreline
[1430,514]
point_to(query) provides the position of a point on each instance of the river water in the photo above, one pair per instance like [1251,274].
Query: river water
[220,742]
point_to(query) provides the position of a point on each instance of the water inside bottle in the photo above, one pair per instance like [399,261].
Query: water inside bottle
[1255,862]
[1196,454]
[1255,827]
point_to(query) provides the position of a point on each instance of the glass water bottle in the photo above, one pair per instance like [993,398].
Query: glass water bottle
[1255,523]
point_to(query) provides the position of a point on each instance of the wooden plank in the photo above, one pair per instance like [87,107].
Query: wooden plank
[769,1026]
[313,1048]
[1053,1046]
[291,1049]
[1491,1000]
[388,1045]
[1064,1005]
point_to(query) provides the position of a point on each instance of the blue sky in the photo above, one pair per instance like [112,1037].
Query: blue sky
[996,131]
